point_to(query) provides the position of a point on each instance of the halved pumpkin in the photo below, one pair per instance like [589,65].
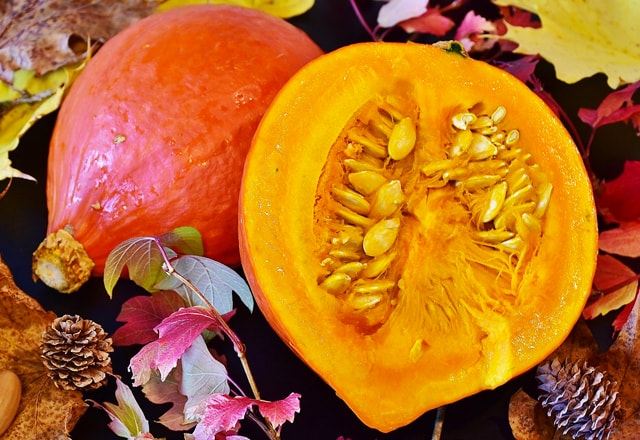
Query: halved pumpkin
[416,225]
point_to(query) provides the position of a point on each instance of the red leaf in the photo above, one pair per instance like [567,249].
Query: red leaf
[221,414]
[519,17]
[168,391]
[473,25]
[617,281]
[177,333]
[618,106]
[141,314]
[431,22]
[623,316]
[619,199]
[280,411]
[522,68]
[623,240]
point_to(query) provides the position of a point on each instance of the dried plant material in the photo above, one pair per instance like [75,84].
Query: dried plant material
[44,35]
[45,412]
[578,41]
[622,364]
[279,8]
[615,286]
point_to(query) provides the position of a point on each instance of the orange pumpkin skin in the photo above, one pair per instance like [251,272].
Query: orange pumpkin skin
[154,133]
[380,375]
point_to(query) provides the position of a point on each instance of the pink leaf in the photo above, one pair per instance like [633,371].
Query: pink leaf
[221,414]
[431,22]
[396,11]
[617,281]
[280,411]
[618,106]
[522,68]
[473,25]
[177,333]
[141,314]
[168,391]
[623,240]
[619,199]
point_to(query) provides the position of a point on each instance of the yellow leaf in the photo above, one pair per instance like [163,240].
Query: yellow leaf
[279,8]
[36,97]
[583,37]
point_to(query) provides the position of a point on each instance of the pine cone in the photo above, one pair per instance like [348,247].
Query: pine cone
[76,353]
[581,400]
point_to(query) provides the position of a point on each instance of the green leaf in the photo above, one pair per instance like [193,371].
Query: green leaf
[143,259]
[215,280]
[185,240]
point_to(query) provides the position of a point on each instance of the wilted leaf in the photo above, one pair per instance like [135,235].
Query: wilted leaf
[127,419]
[279,8]
[583,37]
[177,333]
[396,11]
[623,240]
[431,22]
[618,106]
[616,283]
[215,280]
[202,375]
[168,391]
[619,199]
[141,314]
[45,412]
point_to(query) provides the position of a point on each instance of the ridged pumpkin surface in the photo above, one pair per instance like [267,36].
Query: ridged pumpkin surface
[416,225]
[154,133]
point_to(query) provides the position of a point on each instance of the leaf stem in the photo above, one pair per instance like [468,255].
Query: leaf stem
[362,21]
[437,424]
[6,188]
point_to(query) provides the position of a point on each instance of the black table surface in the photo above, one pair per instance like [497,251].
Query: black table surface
[23,217]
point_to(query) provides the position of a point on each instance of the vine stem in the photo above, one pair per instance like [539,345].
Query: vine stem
[437,424]
[238,345]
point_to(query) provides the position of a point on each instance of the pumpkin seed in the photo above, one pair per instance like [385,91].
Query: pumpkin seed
[479,182]
[353,218]
[486,166]
[532,223]
[380,237]
[510,154]
[495,202]
[370,146]
[518,196]
[336,283]
[344,254]
[402,139]
[494,236]
[436,166]
[498,137]
[483,121]
[378,265]
[364,302]
[512,137]
[543,202]
[487,130]
[366,182]
[387,200]
[513,244]
[351,236]
[351,200]
[461,142]
[455,174]
[498,114]
[352,269]
[481,147]
[378,286]
[358,165]
[462,120]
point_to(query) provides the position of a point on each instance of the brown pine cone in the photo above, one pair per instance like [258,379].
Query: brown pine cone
[76,353]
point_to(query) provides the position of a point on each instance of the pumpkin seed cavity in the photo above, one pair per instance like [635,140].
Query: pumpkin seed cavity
[465,220]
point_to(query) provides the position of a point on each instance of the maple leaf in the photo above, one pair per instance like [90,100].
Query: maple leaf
[279,8]
[222,412]
[431,22]
[618,200]
[45,412]
[141,314]
[576,39]
[618,281]
[168,391]
[621,362]
[623,240]
[471,27]
[127,419]
[177,333]
[395,11]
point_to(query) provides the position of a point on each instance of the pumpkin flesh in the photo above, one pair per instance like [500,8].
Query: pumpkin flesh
[457,315]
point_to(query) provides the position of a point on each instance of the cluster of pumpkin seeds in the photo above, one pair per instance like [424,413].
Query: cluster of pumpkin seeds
[506,194]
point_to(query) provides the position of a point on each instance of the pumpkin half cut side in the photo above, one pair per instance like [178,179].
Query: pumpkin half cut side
[416,225]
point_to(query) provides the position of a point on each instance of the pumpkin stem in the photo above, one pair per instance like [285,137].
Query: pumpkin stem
[61,262]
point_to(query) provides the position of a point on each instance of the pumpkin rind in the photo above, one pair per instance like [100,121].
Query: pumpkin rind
[154,132]
[393,375]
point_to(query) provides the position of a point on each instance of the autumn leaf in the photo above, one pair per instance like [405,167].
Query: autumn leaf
[431,22]
[184,240]
[141,314]
[472,26]
[583,37]
[623,240]
[618,106]
[127,419]
[177,333]
[168,391]
[523,68]
[618,200]
[622,364]
[45,412]
[279,8]
[223,412]
[395,11]
[619,283]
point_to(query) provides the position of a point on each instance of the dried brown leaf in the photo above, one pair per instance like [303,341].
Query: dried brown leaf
[527,418]
[43,35]
[45,412]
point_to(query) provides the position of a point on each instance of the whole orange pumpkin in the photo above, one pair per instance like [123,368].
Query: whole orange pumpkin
[154,133]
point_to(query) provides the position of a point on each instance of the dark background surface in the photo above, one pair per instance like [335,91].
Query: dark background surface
[331,23]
